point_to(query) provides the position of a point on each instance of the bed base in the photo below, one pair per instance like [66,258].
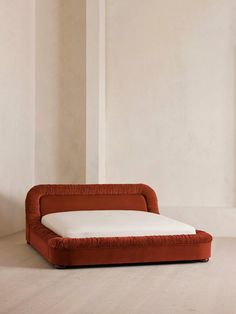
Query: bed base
[63,252]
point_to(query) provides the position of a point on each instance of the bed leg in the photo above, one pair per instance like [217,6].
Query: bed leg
[59,266]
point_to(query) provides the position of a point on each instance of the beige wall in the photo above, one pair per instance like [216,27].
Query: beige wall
[171,99]
[42,103]
[170,102]
[60,91]
[16,110]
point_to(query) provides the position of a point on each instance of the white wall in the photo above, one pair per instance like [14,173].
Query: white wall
[16,110]
[171,101]
[60,91]
[42,100]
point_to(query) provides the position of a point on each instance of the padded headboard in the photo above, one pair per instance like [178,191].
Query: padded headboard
[45,199]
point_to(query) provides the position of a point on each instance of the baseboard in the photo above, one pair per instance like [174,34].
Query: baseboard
[219,221]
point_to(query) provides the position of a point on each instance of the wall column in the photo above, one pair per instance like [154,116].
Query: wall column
[95,91]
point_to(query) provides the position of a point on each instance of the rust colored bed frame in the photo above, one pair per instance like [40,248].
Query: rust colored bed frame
[62,252]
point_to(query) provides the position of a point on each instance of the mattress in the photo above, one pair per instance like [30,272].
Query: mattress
[113,223]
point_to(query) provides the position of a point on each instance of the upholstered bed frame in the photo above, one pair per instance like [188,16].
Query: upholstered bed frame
[59,251]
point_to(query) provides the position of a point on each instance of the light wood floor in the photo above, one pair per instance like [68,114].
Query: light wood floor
[28,284]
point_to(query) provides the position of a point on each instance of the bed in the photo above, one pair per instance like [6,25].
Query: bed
[99,224]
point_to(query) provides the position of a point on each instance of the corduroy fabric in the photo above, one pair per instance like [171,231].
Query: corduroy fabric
[113,250]
[54,203]
[34,196]
[59,242]
[122,250]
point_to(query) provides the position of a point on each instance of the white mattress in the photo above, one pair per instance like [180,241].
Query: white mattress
[113,223]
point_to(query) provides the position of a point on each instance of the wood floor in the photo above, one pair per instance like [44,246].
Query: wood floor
[28,284]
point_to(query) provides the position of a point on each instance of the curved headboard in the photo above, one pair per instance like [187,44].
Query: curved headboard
[51,198]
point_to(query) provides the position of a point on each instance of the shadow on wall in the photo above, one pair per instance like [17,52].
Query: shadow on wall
[9,215]
[72,91]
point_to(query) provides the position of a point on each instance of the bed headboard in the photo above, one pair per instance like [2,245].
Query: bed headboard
[51,198]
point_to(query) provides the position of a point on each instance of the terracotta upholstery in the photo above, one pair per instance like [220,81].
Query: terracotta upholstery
[45,199]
